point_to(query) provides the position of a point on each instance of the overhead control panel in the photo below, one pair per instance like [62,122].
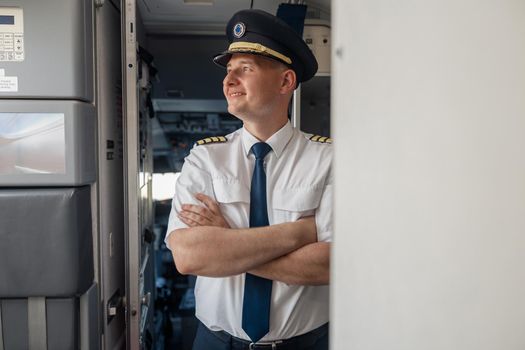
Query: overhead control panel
[46,50]
[11,34]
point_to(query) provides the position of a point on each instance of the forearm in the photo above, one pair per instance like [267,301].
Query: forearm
[309,265]
[218,252]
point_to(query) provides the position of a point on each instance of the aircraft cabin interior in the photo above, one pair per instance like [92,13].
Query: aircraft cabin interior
[100,102]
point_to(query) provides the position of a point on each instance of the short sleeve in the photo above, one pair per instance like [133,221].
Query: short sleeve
[324,213]
[192,180]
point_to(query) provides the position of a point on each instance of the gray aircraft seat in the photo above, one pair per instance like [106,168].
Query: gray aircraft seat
[46,260]
[46,245]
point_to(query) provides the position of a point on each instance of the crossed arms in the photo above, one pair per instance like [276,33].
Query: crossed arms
[287,252]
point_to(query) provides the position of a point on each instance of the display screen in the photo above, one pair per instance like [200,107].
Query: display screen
[7,19]
[32,143]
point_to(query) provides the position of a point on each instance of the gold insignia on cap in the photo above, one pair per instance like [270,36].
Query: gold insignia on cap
[243,46]
[320,139]
[213,139]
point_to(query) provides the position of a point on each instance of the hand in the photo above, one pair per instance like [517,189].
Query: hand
[207,215]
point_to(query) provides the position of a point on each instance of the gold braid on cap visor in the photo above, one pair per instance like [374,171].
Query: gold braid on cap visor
[243,46]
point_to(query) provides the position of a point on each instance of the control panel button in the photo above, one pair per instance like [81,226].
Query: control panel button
[11,46]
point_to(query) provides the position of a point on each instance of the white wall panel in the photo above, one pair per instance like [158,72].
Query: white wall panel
[429,125]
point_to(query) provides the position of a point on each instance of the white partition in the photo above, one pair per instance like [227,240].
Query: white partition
[429,129]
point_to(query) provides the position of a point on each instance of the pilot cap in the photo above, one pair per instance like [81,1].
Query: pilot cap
[260,33]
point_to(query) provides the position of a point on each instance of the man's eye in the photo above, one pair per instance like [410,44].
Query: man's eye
[246,68]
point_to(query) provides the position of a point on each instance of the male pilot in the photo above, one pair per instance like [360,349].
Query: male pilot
[251,215]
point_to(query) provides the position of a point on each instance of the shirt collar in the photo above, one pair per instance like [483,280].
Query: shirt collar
[277,141]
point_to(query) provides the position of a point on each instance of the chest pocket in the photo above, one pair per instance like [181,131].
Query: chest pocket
[230,192]
[296,200]
[234,201]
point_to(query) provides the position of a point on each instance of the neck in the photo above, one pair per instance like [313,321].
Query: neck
[264,130]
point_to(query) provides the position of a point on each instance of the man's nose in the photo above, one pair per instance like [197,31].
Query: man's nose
[230,79]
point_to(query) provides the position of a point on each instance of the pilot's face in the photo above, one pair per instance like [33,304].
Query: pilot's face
[251,86]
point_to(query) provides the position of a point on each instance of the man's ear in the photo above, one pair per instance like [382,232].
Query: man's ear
[289,81]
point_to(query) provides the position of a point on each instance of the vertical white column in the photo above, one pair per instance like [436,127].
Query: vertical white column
[429,136]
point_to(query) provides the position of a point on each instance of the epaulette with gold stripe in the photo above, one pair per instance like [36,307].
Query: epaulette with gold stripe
[321,139]
[213,139]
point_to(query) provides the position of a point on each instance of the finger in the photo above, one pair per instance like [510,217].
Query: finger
[193,216]
[202,220]
[189,222]
[208,202]
[198,209]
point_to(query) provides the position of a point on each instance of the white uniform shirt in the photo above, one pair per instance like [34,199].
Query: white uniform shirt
[299,183]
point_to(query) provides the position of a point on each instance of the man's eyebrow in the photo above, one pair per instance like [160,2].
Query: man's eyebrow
[244,61]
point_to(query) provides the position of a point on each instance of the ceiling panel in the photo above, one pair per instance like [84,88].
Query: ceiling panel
[179,17]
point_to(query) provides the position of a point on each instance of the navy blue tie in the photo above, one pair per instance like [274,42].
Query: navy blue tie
[257,290]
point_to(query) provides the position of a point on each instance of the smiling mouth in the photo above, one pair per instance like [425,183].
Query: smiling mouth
[236,94]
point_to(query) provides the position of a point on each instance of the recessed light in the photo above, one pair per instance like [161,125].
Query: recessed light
[198,2]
